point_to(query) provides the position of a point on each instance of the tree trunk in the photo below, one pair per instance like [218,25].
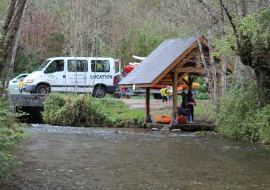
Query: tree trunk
[94,39]
[11,67]
[237,71]
[11,28]
[212,62]
[200,48]
[224,65]
[5,28]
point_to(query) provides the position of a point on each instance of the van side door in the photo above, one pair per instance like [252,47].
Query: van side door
[77,70]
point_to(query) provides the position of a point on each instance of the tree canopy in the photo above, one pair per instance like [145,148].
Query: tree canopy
[121,29]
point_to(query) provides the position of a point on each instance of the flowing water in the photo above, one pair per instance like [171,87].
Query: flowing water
[66,158]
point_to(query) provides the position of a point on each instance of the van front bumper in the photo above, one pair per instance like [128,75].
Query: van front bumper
[30,88]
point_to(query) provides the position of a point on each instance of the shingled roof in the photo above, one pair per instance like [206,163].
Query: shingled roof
[183,53]
[163,58]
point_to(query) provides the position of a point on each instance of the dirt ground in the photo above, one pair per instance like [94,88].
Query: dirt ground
[156,107]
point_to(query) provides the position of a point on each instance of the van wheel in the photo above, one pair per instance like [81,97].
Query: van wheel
[99,92]
[157,96]
[42,89]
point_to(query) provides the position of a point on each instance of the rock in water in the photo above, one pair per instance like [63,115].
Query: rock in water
[175,130]
[165,129]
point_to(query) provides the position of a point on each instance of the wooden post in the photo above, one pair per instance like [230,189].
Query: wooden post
[189,84]
[174,120]
[147,118]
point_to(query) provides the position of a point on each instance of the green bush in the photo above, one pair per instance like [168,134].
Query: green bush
[51,106]
[238,108]
[202,90]
[261,121]
[80,110]
[202,96]
[11,131]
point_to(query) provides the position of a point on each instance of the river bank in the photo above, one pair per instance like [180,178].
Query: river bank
[63,110]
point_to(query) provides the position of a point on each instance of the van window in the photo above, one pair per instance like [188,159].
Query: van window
[43,65]
[55,66]
[77,66]
[100,66]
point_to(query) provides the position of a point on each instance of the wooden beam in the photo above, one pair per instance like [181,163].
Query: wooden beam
[181,78]
[205,41]
[191,70]
[198,61]
[230,67]
[186,59]
[207,58]
[181,60]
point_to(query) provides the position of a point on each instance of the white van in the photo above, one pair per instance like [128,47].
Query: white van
[96,75]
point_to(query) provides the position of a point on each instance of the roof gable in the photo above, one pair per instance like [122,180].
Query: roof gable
[180,52]
[159,60]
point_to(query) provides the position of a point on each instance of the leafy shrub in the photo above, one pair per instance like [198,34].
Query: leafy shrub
[202,96]
[11,131]
[261,121]
[237,112]
[51,106]
[74,110]
[202,90]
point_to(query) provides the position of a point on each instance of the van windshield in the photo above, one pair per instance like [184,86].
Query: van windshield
[43,65]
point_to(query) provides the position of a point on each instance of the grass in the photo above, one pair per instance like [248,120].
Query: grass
[80,110]
[119,112]
[203,111]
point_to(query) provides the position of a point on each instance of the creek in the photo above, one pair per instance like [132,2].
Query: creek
[123,158]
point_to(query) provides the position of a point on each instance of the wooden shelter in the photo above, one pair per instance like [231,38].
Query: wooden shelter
[178,58]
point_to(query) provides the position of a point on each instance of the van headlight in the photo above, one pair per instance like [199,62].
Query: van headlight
[30,81]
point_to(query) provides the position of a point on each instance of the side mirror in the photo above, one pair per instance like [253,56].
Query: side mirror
[46,70]
[114,67]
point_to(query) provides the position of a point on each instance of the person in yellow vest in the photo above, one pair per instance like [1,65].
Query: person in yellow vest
[170,94]
[20,85]
[99,67]
[164,94]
